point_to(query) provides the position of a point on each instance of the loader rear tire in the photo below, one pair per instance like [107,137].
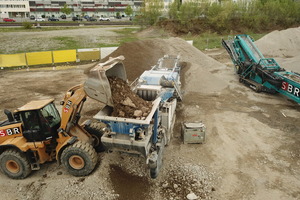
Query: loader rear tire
[95,129]
[14,164]
[79,159]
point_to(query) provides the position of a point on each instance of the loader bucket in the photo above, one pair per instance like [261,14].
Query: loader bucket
[97,85]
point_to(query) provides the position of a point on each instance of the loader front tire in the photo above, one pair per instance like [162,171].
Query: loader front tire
[14,164]
[95,129]
[79,159]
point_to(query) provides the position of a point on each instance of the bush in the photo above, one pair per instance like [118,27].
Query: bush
[27,25]
[150,12]
[196,16]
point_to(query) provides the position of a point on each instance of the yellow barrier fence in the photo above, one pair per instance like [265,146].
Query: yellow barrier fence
[12,60]
[49,57]
[39,58]
[88,54]
[64,56]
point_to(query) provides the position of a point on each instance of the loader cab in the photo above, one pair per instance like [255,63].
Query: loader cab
[40,120]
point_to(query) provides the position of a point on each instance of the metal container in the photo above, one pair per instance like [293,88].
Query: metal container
[193,132]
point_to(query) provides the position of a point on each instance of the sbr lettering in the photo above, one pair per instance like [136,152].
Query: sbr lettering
[2,133]
[296,92]
[17,130]
[284,85]
[10,131]
[290,88]
[68,106]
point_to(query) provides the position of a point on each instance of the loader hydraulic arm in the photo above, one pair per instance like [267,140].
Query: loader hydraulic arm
[72,106]
[96,87]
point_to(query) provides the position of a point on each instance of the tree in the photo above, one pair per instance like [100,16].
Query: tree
[188,11]
[128,10]
[151,11]
[66,9]
[174,9]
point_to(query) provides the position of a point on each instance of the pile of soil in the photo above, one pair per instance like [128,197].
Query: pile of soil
[139,56]
[198,76]
[280,43]
[126,103]
[284,46]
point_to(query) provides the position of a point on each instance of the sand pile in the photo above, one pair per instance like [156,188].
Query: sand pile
[285,43]
[284,46]
[196,76]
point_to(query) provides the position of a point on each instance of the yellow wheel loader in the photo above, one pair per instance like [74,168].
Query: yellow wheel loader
[36,133]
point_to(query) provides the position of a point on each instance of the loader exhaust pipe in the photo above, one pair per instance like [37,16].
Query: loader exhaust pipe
[9,115]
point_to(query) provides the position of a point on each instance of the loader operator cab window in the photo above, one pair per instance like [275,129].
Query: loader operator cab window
[32,120]
[51,115]
[41,124]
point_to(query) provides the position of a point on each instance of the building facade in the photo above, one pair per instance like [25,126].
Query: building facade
[14,8]
[96,8]
[92,8]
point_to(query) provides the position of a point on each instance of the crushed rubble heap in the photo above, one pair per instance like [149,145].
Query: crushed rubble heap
[127,104]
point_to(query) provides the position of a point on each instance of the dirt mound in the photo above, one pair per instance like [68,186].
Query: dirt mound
[152,32]
[196,77]
[284,46]
[139,56]
[126,103]
[285,43]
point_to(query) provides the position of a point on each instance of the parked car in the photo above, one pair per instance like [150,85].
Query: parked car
[8,20]
[32,17]
[91,19]
[53,19]
[40,19]
[104,19]
[76,19]
[63,17]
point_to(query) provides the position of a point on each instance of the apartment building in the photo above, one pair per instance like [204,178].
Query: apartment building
[38,8]
[14,8]
[48,8]
[105,8]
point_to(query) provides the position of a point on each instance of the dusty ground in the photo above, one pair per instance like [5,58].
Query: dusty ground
[252,149]
[45,40]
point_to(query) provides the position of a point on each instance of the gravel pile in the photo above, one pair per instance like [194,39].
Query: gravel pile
[284,46]
[187,181]
[285,43]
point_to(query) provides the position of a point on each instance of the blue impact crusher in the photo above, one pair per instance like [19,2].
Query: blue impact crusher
[147,136]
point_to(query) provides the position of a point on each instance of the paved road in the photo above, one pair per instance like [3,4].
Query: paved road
[67,22]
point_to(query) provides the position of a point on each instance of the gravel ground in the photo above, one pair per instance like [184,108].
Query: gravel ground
[45,40]
[251,152]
